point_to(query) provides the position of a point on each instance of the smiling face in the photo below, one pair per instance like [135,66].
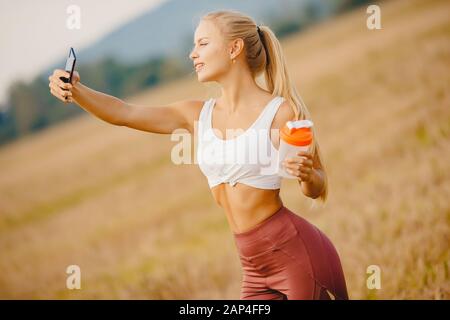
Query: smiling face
[210,52]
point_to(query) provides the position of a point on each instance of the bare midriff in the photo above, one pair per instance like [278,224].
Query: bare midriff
[246,206]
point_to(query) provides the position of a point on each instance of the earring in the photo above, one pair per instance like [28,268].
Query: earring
[234,60]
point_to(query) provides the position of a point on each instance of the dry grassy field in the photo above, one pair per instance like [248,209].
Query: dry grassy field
[110,200]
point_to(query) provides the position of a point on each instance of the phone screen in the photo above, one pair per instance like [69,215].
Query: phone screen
[70,65]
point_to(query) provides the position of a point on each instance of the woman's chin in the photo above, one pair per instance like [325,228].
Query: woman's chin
[202,78]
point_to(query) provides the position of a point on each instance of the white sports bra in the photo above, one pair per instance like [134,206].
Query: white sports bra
[250,158]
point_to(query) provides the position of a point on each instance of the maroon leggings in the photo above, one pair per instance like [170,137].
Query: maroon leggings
[286,257]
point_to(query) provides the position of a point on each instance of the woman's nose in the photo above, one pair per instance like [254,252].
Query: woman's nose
[191,55]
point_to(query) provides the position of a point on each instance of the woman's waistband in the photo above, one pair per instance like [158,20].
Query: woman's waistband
[268,234]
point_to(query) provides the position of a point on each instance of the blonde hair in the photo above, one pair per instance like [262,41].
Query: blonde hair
[264,54]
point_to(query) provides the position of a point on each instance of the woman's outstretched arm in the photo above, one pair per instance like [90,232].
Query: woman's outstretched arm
[163,119]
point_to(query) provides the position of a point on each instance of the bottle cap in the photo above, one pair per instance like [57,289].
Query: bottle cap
[297,133]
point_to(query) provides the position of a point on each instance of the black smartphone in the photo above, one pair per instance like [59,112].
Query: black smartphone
[70,65]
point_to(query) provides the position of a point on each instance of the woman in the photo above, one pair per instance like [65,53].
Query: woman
[283,256]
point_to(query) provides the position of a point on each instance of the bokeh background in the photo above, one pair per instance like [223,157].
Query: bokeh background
[76,190]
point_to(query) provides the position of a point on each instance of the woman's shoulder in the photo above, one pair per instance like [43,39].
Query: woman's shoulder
[194,107]
[284,114]
[191,109]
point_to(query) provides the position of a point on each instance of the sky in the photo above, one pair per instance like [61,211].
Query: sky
[34,34]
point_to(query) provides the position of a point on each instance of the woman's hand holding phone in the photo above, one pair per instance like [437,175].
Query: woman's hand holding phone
[62,81]
[61,89]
